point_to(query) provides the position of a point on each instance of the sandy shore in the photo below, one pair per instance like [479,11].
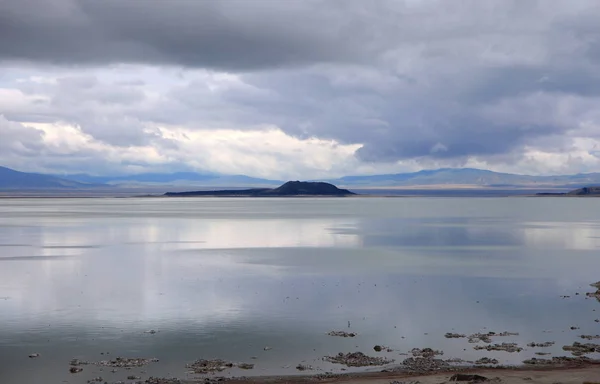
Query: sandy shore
[589,374]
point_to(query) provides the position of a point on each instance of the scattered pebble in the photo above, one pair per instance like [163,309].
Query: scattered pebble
[203,366]
[357,359]
[34,355]
[421,364]
[302,367]
[267,348]
[75,369]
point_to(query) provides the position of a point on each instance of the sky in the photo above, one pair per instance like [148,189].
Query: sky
[299,89]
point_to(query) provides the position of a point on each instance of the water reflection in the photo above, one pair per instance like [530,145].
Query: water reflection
[216,283]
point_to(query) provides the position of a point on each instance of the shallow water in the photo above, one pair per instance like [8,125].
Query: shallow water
[225,278]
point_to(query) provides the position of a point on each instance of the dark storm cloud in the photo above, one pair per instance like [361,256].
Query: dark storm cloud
[234,34]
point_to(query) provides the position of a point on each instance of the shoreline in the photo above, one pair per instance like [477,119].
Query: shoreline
[580,373]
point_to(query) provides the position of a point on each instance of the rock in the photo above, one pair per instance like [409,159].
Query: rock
[203,366]
[302,367]
[425,352]
[267,348]
[157,380]
[454,335]
[341,334]
[422,364]
[486,361]
[132,377]
[487,337]
[34,355]
[75,369]
[590,337]
[541,345]
[96,380]
[378,348]
[574,328]
[507,347]
[357,359]
[152,331]
[122,362]
[579,349]
[558,361]
[468,377]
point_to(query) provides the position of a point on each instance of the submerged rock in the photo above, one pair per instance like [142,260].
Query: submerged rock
[579,349]
[203,366]
[541,345]
[123,362]
[159,380]
[425,352]
[507,347]
[34,355]
[341,334]
[487,337]
[75,369]
[454,335]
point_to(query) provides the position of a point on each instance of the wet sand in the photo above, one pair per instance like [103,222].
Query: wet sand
[589,374]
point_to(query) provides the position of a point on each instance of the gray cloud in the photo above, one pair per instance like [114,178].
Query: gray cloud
[232,35]
[436,81]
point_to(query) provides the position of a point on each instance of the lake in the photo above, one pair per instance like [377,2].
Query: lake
[264,280]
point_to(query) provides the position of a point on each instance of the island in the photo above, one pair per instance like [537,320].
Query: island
[291,188]
[585,191]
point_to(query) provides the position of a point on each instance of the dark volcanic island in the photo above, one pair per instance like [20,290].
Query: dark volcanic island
[291,188]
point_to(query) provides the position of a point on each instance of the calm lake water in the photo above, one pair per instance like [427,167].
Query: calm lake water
[225,278]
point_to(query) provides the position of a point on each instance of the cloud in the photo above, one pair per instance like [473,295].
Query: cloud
[398,85]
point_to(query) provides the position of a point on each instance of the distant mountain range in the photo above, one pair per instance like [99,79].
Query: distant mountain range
[468,177]
[15,180]
[177,178]
[439,178]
